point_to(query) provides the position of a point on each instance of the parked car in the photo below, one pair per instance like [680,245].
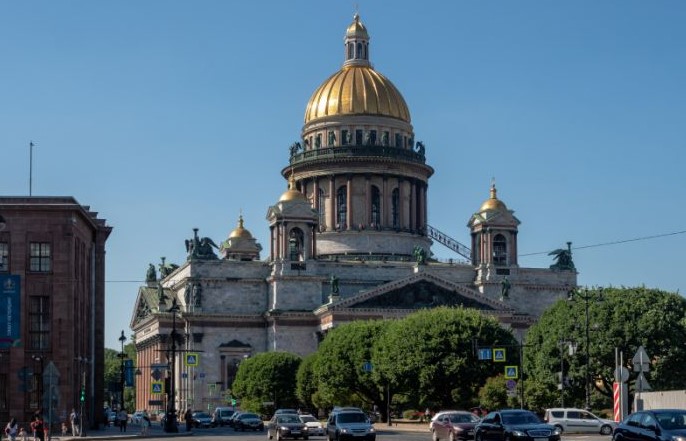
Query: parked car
[514,425]
[578,420]
[286,425]
[454,426]
[201,419]
[437,416]
[232,418]
[344,425]
[652,425]
[249,421]
[221,416]
[290,411]
[314,426]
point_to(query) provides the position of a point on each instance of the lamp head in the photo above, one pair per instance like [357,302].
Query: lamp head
[122,337]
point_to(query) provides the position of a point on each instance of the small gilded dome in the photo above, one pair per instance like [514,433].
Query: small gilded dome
[292,194]
[493,203]
[357,29]
[240,232]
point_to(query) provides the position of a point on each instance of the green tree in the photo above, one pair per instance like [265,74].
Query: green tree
[306,385]
[112,374]
[267,377]
[339,369]
[622,318]
[493,394]
[430,355]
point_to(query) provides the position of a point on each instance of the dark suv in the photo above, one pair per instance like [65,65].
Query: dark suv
[349,424]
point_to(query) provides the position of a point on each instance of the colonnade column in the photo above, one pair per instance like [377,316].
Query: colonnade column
[368,201]
[349,201]
[384,203]
[413,205]
[401,204]
[332,204]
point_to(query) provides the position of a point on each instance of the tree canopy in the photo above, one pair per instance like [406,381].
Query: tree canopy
[621,318]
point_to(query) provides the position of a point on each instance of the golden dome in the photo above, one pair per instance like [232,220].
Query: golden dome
[292,194]
[493,203]
[357,90]
[240,232]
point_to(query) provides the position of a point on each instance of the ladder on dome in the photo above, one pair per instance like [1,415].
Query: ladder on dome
[448,242]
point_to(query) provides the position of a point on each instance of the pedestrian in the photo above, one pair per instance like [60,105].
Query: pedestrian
[123,418]
[74,420]
[11,429]
[23,435]
[145,426]
[37,427]
[427,415]
[188,417]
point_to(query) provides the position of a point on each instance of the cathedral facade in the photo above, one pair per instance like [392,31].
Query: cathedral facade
[349,240]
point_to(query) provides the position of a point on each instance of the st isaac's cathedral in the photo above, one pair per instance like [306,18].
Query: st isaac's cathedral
[349,240]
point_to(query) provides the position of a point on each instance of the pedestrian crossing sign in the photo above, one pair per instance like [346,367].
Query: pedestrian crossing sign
[192,359]
[511,372]
[499,354]
[156,387]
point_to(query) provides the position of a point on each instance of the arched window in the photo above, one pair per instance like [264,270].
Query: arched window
[499,250]
[376,206]
[341,207]
[351,51]
[395,208]
[296,244]
[321,198]
[358,53]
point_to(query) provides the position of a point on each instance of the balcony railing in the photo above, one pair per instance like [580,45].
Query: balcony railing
[357,151]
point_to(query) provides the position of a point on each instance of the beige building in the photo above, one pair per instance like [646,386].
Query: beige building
[349,240]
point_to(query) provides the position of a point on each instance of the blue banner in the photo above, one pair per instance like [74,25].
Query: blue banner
[10,313]
[128,372]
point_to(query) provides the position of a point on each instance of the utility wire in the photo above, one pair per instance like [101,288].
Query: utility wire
[596,245]
[616,242]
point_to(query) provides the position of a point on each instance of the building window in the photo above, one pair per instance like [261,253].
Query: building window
[358,137]
[40,257]
[39,322]
[395,208]
[499,250]
[376,206]
[341,207]
[4,257]
[344,137]
[4,395]
[296,243]
[398,140]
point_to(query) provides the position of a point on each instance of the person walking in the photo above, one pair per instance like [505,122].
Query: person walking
[37,427]
[74,420]
[11,429]
[145,424]
[188,417]
[123,419]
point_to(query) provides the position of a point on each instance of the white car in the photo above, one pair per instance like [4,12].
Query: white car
[578,420]
[314,426]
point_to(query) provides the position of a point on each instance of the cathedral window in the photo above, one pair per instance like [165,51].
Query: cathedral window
[499,250]
[372,137]
[344,137]
[341,207]
[296,240]
[398,140]
[395,208]
[376,206]
[359,51]
[351,49]
[358,137]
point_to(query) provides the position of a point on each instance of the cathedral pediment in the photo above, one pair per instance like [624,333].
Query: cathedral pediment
[418,291]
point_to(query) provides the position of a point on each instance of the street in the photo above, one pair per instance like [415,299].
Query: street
[384,433]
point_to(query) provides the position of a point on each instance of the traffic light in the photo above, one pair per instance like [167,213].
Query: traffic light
[83,394]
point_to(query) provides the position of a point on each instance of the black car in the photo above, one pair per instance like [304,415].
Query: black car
[250,421]
[655,424]
[514,425]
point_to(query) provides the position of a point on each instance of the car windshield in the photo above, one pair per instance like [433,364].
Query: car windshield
[352,417]
[520,418]
[288,419]
[463,418]
[307,419]
[671,420]
[202,415]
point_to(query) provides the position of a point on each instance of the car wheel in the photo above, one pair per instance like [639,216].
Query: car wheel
[606,430]
[478,437]
[452,436]
[305,437]
[278,436]
[434,435]
[560,428]
[269,435]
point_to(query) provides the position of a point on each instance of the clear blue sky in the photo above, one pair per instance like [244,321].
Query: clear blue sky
[168,115]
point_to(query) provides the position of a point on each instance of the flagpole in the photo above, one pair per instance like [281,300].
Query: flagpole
[30,168]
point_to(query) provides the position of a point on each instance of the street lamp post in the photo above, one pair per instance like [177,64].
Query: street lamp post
[170,421]
[122,339]
[587,297]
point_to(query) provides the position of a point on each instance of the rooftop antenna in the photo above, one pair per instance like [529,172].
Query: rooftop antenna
[30,168]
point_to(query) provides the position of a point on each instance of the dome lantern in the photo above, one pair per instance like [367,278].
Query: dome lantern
[356,44]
